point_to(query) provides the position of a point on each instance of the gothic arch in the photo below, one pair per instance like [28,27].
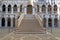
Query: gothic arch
[50,22]
[43,8]
[20,8]
[55,22]
[9,8]
[15,8]
[44,22]
[3,22]
[29,9]
[3,8]
[37,8]
[9,22]
[49,8]
[55,8]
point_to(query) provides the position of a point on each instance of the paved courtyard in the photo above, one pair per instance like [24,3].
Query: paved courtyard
[13,36]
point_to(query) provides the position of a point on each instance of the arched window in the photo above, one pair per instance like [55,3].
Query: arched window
[20,8]
[3,22]
[55,8]
[9,8]
[9,22]
[50,22]
[55,22]
[43,8]
[37,8]
[44,23]
[3,8]
[13,22]
[49,8]
[15,8]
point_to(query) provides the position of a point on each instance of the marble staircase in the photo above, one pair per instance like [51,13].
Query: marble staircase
[29,25]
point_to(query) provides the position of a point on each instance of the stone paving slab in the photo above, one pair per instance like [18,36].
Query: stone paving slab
[14,36]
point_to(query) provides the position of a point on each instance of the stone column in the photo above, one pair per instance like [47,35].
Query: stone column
[6,22]
[11,22]
[25,10]
[52,10]
[33,11]
[12,10]
[46,22]
[0,22]
[46,10]
[6,10]
[52,22]
[40,9]
[18,9]
[58,17]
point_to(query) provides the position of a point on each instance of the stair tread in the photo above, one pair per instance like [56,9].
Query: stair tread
[29,24]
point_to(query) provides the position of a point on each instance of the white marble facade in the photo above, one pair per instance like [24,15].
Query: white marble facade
[50,15]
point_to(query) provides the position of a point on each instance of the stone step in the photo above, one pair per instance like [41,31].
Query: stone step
[29,24]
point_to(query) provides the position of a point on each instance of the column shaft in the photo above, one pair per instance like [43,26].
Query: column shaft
[5,22]
[18,9]
[46,22]
[40,9]
[11,22]
[46,10]
[25,10]
[52,22]
[33,11]
[12,10]
[0,22]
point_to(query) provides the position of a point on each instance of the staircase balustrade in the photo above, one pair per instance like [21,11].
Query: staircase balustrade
[20,19]
[40,19]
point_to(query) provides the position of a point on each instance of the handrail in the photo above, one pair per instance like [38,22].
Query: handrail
[20,19]
[40,20]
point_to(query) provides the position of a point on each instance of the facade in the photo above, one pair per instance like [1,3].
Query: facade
[48,9]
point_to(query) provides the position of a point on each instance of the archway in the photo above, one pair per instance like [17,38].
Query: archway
[55,22]
[15,8]
[3,8]
[55,8]
[29,9]
[49,8]
[43,8]
[20,8]
[9,22]
[9,8]
[44,22]
[50,22]
[3,22]
[37,8]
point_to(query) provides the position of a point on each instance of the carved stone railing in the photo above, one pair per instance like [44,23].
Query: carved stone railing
[20,19]
[40,20]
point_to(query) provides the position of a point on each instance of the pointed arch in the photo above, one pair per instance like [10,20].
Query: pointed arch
[15,8]
[55,8]
[9,22]
[9,8]
[37,8]
[14,22]
[3,8]
[49,8]
[43,8]
[50,22]
[44,22]
[3,22]
[20,8]
[55,22]
[29,9]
